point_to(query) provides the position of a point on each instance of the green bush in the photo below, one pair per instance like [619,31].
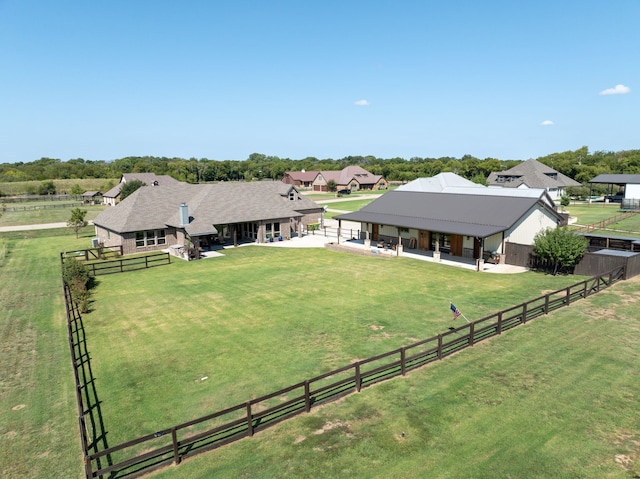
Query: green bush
[76,277]
[561,247]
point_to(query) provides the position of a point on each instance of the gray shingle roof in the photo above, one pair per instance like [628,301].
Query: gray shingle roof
[155,207]
[146,178]
[463,214]
[533,174]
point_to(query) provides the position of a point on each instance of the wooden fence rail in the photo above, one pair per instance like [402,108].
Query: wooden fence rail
[606,222]
[45,206]
[121,265]
[171,445]
[97,261]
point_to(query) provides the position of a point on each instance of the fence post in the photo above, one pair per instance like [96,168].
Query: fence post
[584,291]
[471,333]
[439,346]
[524,313]
[546,304]
[174,438]
[403,358]
[249,420]
[358,377]
[307,397]
[499,323]
[568,296]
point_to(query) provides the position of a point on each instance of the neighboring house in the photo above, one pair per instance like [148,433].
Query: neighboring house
[111,197]
[91,197]
[532,174]
[301,179]
[199,216]
[354,178]
[463,218]
[627,189]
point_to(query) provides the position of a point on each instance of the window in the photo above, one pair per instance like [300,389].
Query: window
[151,237]
[292,196]
[444,241]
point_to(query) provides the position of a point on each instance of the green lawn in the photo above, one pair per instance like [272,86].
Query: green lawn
[49,215]
[588,214]
[555,398]
[38,425]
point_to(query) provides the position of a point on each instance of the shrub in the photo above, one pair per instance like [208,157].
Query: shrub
[76,277]
[561,247]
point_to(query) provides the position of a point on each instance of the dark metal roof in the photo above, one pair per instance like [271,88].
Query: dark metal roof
[470,215]
[616,179]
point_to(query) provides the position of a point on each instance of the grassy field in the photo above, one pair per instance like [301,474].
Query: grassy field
[260,319]
[38,425]
[556,398]
[16,188]
[55,215]
[588,214]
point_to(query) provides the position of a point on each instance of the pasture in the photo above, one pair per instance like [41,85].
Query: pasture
[555,398]
[14,188]
[46,215]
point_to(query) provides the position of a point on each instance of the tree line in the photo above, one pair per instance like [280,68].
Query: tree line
[580,165]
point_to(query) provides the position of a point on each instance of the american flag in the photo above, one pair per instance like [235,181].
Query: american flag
[456,312]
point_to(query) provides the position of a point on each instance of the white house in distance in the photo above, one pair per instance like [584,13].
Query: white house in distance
[532,174]
[460,217]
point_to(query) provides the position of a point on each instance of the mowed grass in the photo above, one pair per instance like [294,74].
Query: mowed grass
[260,319]
[48,215]
[555,398]
[38,425]
[588,214]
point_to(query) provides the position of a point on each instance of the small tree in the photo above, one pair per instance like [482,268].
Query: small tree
[130,187]
[561,247]
[331,185]
[47,188]
[564,201]
[76,189]
[78,220]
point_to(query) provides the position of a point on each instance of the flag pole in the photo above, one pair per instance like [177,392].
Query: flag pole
[451,306]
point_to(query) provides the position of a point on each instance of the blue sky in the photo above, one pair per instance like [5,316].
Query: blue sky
[223,79]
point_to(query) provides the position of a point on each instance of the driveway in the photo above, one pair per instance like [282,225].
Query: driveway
[42,226]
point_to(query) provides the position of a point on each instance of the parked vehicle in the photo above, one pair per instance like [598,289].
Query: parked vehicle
[344,191]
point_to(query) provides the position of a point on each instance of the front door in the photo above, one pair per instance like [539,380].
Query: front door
[424,240]
[456,245]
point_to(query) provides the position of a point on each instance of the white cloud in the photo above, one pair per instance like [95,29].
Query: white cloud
[361,103]
[616,90]
[547,123]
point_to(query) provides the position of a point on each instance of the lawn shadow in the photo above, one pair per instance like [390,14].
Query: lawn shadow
[95,433]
